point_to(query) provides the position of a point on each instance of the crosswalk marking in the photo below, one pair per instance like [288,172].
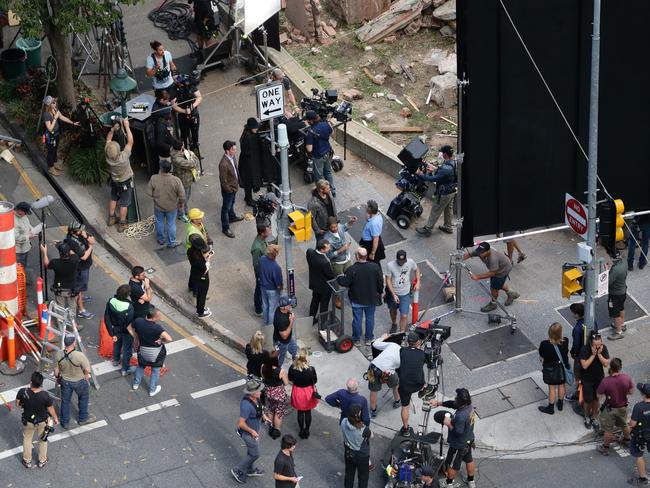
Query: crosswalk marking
[217,389]
[151,408]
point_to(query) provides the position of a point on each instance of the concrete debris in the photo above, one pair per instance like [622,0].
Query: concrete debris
[395,68]
[378,79]
[443,90]
[435,56]
[315,50]
[448,65]
[369,116]
[352,94]
[391,97]
[447,31]
[330,31]
[367,48]
[446,11]
[378,95]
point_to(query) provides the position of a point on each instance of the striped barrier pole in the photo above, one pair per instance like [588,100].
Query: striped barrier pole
[41,305]
[8,273]
[415,305]
[13,366]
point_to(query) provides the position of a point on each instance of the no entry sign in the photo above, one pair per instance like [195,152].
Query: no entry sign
[575,215]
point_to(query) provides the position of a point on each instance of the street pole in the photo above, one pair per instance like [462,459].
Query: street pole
[592,173]
[283,143]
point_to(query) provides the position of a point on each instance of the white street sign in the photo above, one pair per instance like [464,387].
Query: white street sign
[270,101]
[603,284]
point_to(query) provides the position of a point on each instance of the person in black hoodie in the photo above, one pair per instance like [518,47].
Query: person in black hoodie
[118,315]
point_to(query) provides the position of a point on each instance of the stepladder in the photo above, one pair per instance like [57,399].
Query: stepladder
[60,323]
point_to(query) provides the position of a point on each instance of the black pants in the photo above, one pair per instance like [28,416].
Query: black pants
[201,285]
[189,131]
[319,300]
[356,464]
[52,152]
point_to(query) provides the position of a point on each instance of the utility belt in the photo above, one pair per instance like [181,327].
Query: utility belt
[64,292]
[376,375]
[32,421]
[122,185]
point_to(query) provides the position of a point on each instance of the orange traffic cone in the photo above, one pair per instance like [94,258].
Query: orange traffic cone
[105,348]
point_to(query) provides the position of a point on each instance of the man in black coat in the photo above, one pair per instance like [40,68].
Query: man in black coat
[320,272]
[250,160]
[366,285]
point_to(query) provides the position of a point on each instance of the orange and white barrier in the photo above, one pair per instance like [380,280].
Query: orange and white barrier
[42,324]
[8,273]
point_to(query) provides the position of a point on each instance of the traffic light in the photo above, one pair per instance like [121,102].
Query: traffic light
[571,280]
[300,225]
[610,227]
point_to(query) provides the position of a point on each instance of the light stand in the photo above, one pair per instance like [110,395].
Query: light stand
[41,204]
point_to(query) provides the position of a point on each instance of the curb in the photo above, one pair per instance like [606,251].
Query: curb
[227,336]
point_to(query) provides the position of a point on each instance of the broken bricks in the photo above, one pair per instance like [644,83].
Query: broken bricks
[352,94]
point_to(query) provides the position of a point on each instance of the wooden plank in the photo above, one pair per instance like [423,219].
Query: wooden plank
[449,120]
[407,71]
[396,129]
[412,103]
[395,18]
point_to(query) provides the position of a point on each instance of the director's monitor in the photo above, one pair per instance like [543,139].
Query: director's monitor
[248,15]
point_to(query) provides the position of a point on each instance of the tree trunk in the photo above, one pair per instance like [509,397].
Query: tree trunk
[62,52]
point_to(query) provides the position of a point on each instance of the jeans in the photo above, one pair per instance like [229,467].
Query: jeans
[81,389]
[357,317]
[644,238]
[257,294]
[444,204]
[124,344]
[153,381]
[292,347]
[323,169]
[353,465]
[269,304]
[227,210]
[165,219]
[245,466]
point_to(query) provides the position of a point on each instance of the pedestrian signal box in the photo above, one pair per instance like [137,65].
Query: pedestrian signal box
[571,281]
[300,225]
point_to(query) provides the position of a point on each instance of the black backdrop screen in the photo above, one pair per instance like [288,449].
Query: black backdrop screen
[520,158]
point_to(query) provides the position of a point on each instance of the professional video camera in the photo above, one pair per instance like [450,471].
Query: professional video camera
[187,84]
[49,428]
[324,104]
[433,335]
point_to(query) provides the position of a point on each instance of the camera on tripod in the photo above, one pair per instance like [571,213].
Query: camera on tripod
[324,104]
[433,335]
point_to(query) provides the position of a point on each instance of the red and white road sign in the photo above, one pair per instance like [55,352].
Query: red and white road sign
[575,215]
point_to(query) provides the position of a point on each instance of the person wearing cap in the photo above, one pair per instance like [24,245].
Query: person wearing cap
[640,425]
[371,235]
[168,199]
[320,272]
[23,232]
[594,357]
[118,161]
[403,274]
[319,149]
[322,206]
[446,182]
[72,368]
[365,285]
[411,376]
[250,160]
[383,369]
[51,118]
[185,165]
[283,337]
[82,244]
[339,253]
[258,249]
[65,274]
[248,428]
[229,180]
[278,75]
[617,293]
[499,267]
[460,436]
[614,390]
[199,255]
[428,477]
[118,315]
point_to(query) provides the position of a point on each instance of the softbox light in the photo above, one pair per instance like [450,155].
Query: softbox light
[250,14]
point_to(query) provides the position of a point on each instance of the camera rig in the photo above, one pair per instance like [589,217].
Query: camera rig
[324,104]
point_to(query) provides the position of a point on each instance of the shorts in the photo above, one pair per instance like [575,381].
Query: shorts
[455,457]
[614,417]
[81,281]
[122,192]
[510,234]
[635,451]
[616,305]
[404,304]
[405,395]
[589,391]
[392,380]
[497,283]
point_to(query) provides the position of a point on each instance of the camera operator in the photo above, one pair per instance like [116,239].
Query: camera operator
[640,425]
[461,435]
[65,273]
[446,184]
[82,244]
[411,376]
[428,477]
[383,369]
[278,75]
[159,67]
[319,150]
[267,214]
[37,409]
[188,99]
[120,173]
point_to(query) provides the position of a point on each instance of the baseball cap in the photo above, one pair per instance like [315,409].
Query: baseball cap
[272,197]
[401,256]
[483,247]
[413,337]
[76,226]
[284,301]
[47,101]
[643,388]
[427,471]
[69,340]
[24,206]
[311,115]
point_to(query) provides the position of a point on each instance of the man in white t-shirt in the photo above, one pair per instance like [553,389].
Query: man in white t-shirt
[401,273]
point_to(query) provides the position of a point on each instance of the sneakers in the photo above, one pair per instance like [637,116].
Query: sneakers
[571,397]
[587,423]
[521,258]
[116,363]
[369,341]
[405,431]
[603,449]
[446,230]
[356,343]
[41,464]
[59,165]
[624,328]
[397,403]
[423,231]
[595,424]
[89,420]
[489,307]
[122,226]
[127,372]
[373,413]
[85,314]
[638,482]
[206,313]
[134,387]
[471,484]
[255,472]
[512,296]
[173,244]
[616,336]
[112,220]
[155,391]
[549,409]
[393,329]
[238,475]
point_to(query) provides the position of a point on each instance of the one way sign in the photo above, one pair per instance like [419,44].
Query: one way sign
[270,101]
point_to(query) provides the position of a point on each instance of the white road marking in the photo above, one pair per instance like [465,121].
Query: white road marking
[57,437]
[151,408]
[217,389]
[107,366]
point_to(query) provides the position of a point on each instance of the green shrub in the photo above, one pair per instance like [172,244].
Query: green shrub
[8,90]
[88,165]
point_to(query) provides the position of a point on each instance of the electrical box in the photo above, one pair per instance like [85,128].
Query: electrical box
[585,252]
